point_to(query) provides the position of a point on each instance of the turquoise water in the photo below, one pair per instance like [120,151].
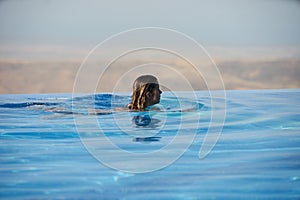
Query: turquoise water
[43,156]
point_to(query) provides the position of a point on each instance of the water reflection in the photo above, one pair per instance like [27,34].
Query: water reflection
[144,122]
[146,139]
[141,120]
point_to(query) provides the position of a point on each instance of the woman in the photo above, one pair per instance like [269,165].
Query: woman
[146,93]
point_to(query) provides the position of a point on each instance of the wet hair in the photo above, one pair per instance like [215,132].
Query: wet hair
[142,85]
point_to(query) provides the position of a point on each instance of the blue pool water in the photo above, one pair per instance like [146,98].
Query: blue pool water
[44,142]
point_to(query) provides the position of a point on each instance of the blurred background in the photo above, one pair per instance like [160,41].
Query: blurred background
[255,44]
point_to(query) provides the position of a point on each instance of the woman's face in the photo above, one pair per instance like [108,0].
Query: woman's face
[154,96]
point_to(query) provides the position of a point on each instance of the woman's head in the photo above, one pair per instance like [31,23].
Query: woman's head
[146,92]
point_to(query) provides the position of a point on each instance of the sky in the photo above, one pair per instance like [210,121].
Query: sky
[213,22]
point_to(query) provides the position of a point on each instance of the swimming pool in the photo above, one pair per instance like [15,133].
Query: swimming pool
[43,154]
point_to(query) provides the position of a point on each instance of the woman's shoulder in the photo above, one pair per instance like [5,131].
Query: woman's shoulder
[122,109]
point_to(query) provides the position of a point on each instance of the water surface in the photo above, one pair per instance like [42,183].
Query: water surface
[257,155]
